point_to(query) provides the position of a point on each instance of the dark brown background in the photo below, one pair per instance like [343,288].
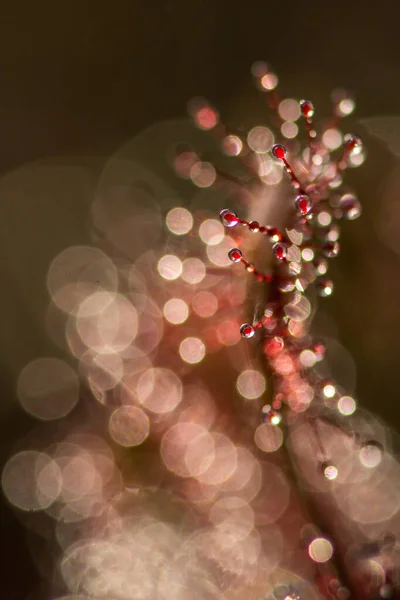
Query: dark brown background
[80,78]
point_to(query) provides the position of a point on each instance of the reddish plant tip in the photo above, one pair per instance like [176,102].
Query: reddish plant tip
[277,404]
[331,249]
[273,346]
[307,108]
[247,330]
[319,350]
[279,151]
[303,204]
[352,142]
[321,266]
[235,255]
[228,217]
[324,288]
[280,250]
[273,417]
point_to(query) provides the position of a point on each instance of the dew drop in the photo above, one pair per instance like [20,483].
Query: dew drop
[254,226]
[307,108]
[279,151]
[235,255]
[228,217]
[352,143]
[247,330]
[303,204]
[280,250]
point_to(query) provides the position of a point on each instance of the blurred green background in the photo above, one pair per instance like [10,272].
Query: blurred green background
[79,79]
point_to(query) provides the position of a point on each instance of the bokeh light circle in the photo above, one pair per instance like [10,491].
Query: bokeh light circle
[192,350]
[159,390]
[179,221]
[320,550]
[211,232]
[77,272]
[48,388]
[107,327]
[193,270]
[31,480]
[268,437]
[176,311]
[129,426]
[260,139]
[169,267]
[251,384]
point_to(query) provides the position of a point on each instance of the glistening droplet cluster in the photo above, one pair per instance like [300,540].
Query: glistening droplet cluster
[297,259]
[300,251]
